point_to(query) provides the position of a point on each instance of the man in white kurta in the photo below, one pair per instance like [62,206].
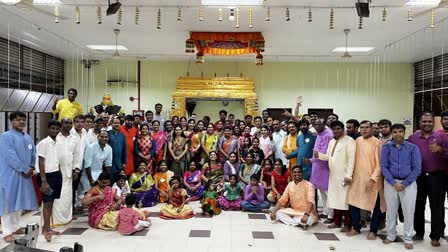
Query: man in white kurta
[341,160]
[70,159]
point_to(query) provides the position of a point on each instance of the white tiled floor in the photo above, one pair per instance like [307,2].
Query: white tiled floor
[230,231]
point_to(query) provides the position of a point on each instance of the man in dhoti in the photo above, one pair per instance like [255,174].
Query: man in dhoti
[70,161]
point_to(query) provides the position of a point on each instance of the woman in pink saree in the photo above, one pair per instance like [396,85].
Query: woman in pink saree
[160,137]
[103,203]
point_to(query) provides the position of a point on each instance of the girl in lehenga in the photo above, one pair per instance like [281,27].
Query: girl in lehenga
[178,148]
[161,138]
[103,204]
[209,143]
[210,200]
[142,184]
[178,207]
[231,198]
[214,171]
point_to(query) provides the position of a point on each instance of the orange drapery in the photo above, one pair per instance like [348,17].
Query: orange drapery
[204,41]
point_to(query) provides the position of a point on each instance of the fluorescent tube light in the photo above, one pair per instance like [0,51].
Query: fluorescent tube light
[47,2]
[108,47]
[353,49]
[31,43]
[231,2]
[9,2]
[423,3]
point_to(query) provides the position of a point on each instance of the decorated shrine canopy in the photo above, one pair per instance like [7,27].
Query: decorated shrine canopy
[225,43]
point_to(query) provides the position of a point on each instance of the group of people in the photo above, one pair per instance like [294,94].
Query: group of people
[115,166]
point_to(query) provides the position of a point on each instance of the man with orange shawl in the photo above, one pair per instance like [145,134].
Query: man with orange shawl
[129,133]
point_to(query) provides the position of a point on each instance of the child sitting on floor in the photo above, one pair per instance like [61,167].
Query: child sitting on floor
[122,187]
[128,218]
[210,200]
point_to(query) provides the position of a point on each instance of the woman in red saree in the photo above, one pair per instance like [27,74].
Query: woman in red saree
[103,203]
[145,148]
[160,137]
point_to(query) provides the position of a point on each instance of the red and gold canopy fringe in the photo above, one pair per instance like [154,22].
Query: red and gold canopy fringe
[225,43]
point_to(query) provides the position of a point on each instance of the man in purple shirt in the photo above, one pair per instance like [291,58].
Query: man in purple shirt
[254,196]
[401,165]
[320,172]
[433,148]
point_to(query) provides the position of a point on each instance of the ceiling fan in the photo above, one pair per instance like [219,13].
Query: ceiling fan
[442,4]
[346,53]
[116,55]
[27,5]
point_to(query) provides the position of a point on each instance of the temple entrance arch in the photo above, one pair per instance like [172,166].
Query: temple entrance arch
[231,88]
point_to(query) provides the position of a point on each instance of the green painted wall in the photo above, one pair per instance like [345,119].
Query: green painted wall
[353,90]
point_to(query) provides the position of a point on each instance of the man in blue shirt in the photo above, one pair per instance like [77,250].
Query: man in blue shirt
[119,150]
[17,160]
[305,144]
[401,165]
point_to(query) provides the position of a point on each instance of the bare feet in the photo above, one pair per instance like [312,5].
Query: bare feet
[54,232]
[9,239]
[333,226]
[435,243]
[387,241]
[352,233]
[266,211]
[371,236]
[408,246]
[19,231]
[48,236]
[346,229]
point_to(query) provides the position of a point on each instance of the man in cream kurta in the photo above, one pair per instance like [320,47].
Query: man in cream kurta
[366,189]
[341,160]
[70,159]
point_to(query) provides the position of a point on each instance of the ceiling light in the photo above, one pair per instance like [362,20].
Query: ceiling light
[423,2]
[231,2]
[47,2]
[353,49]
[107,47]
[31,43]
[10,2]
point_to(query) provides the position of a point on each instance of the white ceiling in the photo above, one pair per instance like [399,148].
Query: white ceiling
[296,40]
